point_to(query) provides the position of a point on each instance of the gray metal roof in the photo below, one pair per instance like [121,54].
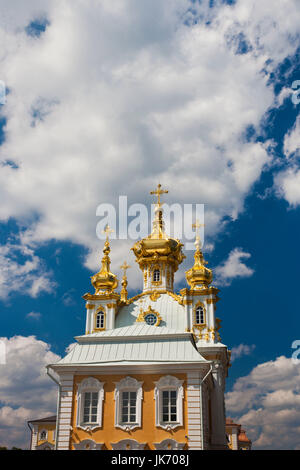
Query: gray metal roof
[111,347]
[137,330]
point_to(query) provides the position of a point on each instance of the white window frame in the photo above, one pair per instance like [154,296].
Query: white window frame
[201,314]
[40,435]
[100,311]
[168,382]
[156,272]
[128,384]
[89,385]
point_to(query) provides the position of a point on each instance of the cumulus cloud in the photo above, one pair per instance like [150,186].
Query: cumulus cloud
[26,392]
[115,96]
[241,350]
[22,271]
[34,315]
[233,268]
[292,140]
[287,181]
[288,185]
[267,403]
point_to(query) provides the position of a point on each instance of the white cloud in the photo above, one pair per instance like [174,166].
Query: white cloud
[22,271]
[128,95]
[292,140]
[287,181]
[267,403]
[288,185]
[233,268]
[241,350]
[26,391]
[34,315]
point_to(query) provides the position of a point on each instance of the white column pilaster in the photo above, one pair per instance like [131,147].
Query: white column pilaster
[65,412]
[194,411]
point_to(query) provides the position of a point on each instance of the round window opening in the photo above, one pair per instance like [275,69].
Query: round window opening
[151,319]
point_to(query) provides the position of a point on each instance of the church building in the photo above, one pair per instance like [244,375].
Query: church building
[149,372]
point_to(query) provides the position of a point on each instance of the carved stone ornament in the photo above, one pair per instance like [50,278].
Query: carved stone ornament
[88,444]
[128,444]
[169,444]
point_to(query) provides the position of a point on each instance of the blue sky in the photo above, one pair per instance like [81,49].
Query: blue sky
[198,96]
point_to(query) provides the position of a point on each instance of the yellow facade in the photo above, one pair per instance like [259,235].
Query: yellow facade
[50,428]
[148,433]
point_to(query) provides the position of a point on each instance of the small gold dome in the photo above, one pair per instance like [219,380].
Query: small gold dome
[199,277]
[104,280]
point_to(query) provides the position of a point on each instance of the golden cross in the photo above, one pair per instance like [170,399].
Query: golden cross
[196,226]
[125,266]
[107,231]
[158,193]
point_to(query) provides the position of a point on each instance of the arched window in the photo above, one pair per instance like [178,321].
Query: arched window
[156,275]
[100,320]
[128,409]
[89,403]
[43,435]
[199,315]
[168,395]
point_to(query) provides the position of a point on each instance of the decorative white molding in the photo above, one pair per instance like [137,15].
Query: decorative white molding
[128,444]
[169,444]
[45,446]
[89,385]
[168,382]
[128,384]
[88,444]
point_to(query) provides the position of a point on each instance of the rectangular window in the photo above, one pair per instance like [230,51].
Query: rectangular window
[199,316]
[100,320]
[90,407]
[169,406]
[128,407]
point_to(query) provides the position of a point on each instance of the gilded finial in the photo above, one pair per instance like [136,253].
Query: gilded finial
[158,224]
[197,226]
[198,277]
[158,192]
[104,280]
[125,266]
[107,231]
[124,292]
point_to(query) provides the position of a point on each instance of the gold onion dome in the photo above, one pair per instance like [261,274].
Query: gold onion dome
[158,246]
[199,276]
[104,280]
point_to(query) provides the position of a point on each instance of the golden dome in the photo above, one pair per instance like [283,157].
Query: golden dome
[104,280]
[199,277]
[152,249]
[158,246]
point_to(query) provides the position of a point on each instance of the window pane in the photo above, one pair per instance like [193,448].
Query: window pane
[169,405]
